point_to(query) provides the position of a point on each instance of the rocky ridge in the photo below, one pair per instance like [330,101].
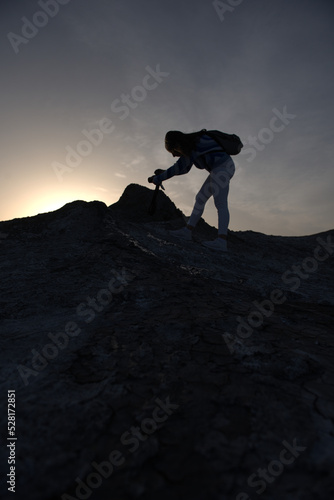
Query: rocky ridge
[197,369]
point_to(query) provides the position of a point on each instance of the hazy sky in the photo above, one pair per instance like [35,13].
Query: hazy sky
[135,69]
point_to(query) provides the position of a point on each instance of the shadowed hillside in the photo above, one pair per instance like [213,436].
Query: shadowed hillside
[150,368]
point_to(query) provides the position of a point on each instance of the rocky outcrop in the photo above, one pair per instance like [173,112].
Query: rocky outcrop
[146,367]
[135,201]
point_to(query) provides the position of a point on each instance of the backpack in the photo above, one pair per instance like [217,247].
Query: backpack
[230,143]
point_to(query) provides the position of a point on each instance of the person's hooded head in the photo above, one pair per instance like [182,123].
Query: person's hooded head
[179,144]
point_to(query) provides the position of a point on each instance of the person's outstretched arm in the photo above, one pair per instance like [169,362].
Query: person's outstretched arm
[182,166]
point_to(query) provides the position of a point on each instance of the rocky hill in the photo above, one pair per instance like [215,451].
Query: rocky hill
[148,368]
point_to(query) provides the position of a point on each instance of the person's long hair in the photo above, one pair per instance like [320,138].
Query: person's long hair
[186,143]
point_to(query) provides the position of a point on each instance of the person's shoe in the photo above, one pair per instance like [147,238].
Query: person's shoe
[183,233]
[217,244]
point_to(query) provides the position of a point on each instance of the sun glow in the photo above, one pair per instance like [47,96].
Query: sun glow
[50,206]
[44,196]
[54,201]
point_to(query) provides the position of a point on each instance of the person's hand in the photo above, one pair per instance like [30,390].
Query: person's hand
[151,180]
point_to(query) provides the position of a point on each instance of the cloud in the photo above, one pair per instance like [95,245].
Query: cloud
[98,188]
[230,77]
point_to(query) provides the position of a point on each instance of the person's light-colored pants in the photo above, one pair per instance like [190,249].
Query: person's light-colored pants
[217,185]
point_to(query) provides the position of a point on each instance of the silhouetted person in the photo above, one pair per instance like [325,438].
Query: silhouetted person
[205,153]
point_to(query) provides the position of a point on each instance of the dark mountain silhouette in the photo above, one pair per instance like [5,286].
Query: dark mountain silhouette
[146,367]
[135,201]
